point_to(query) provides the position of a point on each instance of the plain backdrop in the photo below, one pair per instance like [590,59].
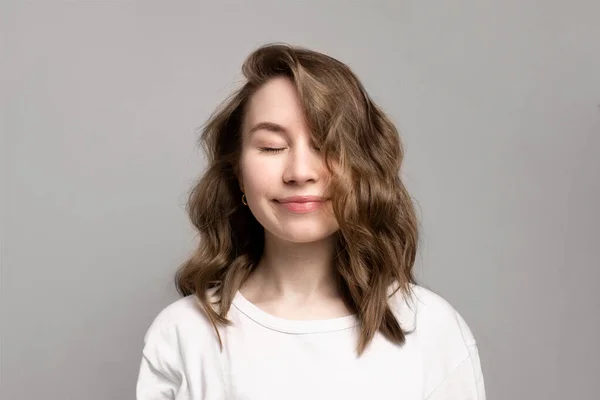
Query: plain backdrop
[498,104]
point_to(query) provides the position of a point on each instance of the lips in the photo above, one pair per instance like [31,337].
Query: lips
[301,199]
[301,204]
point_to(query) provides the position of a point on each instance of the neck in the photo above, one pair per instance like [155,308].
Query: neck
[297,270]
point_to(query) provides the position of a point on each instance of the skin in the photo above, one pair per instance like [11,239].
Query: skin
[295,279]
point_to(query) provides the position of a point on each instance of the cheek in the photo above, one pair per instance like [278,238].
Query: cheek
[258,175]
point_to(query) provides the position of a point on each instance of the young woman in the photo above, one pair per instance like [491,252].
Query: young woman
[302,286]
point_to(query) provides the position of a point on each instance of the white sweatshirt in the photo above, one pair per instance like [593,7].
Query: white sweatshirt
[265,357]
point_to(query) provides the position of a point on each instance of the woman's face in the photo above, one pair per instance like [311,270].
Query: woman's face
[281,172]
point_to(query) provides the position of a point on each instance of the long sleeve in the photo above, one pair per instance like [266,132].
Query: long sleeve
[464,382]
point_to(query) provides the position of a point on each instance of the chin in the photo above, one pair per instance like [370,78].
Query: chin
[298,229]
[305,235]
[305,239]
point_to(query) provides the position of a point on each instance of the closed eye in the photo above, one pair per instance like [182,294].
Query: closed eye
[271,149]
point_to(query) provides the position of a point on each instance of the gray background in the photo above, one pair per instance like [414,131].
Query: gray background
[498,104]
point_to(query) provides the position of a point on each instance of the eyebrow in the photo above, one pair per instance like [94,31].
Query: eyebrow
[268,126]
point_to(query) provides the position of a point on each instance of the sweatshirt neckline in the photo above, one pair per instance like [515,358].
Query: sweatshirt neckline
[288,325]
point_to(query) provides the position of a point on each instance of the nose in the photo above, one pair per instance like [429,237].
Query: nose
[303,165]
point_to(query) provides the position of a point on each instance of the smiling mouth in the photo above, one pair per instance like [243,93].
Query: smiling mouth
[301,204]
[301,199]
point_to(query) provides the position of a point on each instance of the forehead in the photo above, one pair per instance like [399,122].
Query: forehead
[276,101]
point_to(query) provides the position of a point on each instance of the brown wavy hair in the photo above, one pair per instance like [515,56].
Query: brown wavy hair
[378,235]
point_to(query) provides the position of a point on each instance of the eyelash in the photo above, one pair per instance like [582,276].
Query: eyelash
[271,150]
[279,150]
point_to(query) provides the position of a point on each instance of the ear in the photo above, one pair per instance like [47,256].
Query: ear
[238,176]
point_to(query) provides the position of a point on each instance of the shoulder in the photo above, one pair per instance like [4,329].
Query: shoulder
[177,339]
[178,321]
[445,340]
[427,314]
[435,316]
